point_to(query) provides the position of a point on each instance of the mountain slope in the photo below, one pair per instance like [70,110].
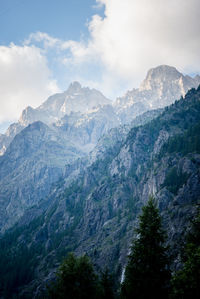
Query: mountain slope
[35,150]
[98,211]
[75,99]
[161,87]
[81,115]
[84,130]
[33,161]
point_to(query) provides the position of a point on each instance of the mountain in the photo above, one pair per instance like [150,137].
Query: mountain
[73,121]
[37,157]
[161,87]
[36,149]
[74,99]
[96,213]
[84,130]
[34,160]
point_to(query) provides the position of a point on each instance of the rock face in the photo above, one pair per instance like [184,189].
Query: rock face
[161,87]
[36,149]
[98,210]
[75,99]
[84,130]
[75,120]
[33,161]
[94,206]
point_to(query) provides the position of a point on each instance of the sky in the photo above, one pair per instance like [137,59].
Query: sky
[104,44]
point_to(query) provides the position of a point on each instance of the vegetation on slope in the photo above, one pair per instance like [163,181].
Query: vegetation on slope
[97,213]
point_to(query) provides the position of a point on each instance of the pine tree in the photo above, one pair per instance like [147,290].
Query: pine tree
[186,282]
[106,285]
[147,274]
[75,279]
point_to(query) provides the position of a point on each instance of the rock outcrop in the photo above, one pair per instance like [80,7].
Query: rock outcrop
[96,213]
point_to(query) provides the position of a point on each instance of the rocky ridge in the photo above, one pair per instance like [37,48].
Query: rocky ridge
[161,87]
[97,212]
[33,161]
[75,121]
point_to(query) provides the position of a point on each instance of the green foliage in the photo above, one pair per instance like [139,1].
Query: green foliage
[147,275]
[17,260]
[75,279]
[186,282]
[19,270]
[174,180]
[106,285]
[189,142]
[24,249]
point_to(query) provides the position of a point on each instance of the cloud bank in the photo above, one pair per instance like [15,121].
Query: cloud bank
[136,35]
[25,79]
[133,36]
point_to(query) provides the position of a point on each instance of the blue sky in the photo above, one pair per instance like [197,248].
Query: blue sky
[64,19]
[104,44]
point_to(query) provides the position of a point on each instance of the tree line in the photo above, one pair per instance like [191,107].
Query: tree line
[147,274]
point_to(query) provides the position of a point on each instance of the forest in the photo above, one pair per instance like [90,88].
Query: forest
[148,271]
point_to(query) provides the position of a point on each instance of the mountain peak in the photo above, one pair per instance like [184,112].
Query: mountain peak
[159,75]
[74,87]
[163,72]
[164,69]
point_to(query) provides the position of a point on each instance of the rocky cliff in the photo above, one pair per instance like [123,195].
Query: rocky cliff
[96,213]
[33,161]
[75,99]
[161,87]
[76,119]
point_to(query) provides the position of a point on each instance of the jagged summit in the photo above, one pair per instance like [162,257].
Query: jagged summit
[162,86]
[74,87]
[160,73]
[75,99]
[164,71]
[95,206]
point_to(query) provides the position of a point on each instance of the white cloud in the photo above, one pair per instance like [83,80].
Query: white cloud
[47,40]
[133,36]
[25,79]
[136,35]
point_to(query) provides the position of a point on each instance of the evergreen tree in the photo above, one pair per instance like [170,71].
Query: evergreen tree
[75,279]
[106,285]
[147,274]
[186,282]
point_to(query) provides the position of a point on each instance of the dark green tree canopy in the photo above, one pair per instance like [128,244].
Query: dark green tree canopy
[186,282]
[106,285]
[147,274]
[76,279]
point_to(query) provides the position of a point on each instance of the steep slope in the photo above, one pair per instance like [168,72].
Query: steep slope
[84,130]
[107,144]
[88,116]
[98,211]
[75,99]
[33,161]
[35,154]
[161,87]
